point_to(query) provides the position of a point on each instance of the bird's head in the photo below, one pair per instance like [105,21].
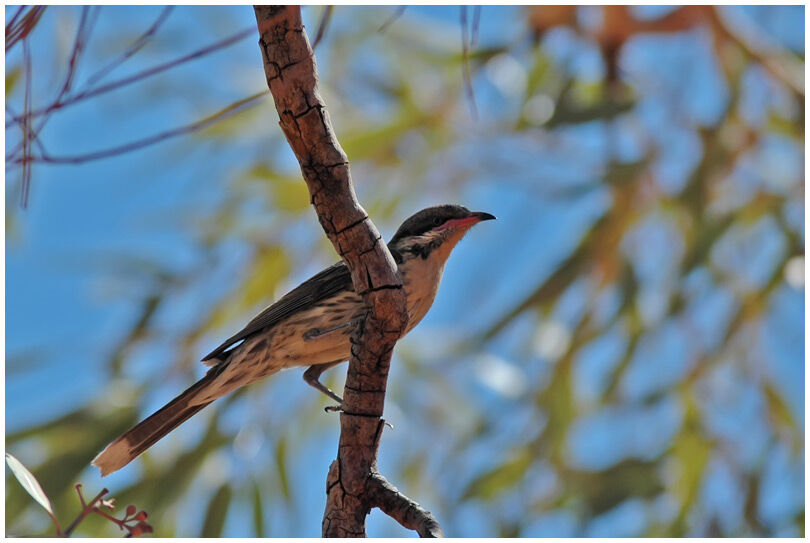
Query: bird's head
[435,231]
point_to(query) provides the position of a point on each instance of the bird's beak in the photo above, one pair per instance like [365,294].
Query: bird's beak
[482,216]
[467,222]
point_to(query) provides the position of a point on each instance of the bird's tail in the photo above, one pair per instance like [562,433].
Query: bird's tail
[130,445]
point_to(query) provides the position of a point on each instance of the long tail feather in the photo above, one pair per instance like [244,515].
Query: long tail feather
[131,444]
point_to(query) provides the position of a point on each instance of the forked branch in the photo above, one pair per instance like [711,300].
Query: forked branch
[353,485]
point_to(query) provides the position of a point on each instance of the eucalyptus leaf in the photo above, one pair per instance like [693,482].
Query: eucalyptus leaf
[29,482]
[217,512]
[501,478]
[258,512]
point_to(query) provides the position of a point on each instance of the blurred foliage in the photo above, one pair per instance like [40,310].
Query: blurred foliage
[658,258]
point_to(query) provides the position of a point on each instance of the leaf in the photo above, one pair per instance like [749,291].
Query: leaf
[270,265]
[281,465]
[258,512]
[693,451]
[289,192]
[290,195]
[566,113]
[379,143]
[12,76]
[216,512]
[603,490]
[29,482]
[781,415]
[538,73]
[493,482]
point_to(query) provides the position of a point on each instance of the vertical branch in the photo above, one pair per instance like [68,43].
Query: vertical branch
[353,482]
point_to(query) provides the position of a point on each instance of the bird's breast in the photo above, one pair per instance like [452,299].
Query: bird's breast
[420,281]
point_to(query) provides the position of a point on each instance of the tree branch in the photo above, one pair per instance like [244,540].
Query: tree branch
[92,92]
[289,66]
[404,510]
[228,111]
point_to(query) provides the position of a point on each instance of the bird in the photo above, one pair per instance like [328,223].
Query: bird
[309,326]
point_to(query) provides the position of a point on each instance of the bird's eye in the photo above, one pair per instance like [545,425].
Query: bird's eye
[437,221]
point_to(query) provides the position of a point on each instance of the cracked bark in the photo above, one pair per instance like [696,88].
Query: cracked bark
[354,485]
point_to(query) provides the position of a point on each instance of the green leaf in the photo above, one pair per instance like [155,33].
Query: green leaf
[258,512]
[493,482]
[216,512]
[270,265]
[781,415]
[603,490]
[539,72]
[29,482]
[281,465]
[290,195]
[693,451]
[379,143]
[12,76]
[565,113]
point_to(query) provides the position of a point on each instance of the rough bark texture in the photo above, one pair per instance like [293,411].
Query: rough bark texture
[354,485]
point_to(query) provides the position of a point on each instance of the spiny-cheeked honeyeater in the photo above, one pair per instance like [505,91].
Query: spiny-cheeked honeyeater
[310,326]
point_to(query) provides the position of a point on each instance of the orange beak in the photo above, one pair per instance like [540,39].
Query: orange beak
[473,218]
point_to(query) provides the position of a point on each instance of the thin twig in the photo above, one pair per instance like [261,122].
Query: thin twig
[79,43]
[56,525]
[81,497]
[220,115]
[324,22]
[396,15]
[26,126]
[134,521]
[78,47]
[117,522]
[476,23]
[137,45]
[23,29]
[140,75]
[86,510]
[14,18]
[12,112]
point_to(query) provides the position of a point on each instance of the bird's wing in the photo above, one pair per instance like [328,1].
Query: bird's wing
[319,287]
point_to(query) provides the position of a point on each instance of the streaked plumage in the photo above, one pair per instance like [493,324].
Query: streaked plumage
[309,326]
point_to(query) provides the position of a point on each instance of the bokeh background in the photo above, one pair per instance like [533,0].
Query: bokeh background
[620,354]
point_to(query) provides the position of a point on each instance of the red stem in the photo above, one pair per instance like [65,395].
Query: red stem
[88,508]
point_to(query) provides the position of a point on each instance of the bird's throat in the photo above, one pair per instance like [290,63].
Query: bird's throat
[420,280]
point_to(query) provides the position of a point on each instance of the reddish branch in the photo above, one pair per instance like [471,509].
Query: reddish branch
[354,485]
[16,32]
[229,111]
[22,155]
[135,78]
[134,521]
[136,46]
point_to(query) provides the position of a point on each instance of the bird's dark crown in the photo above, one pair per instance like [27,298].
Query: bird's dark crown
[428,219]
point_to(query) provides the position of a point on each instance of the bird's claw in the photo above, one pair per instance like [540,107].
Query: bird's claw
[333,408]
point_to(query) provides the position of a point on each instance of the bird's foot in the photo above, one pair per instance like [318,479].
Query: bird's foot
[339,409]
